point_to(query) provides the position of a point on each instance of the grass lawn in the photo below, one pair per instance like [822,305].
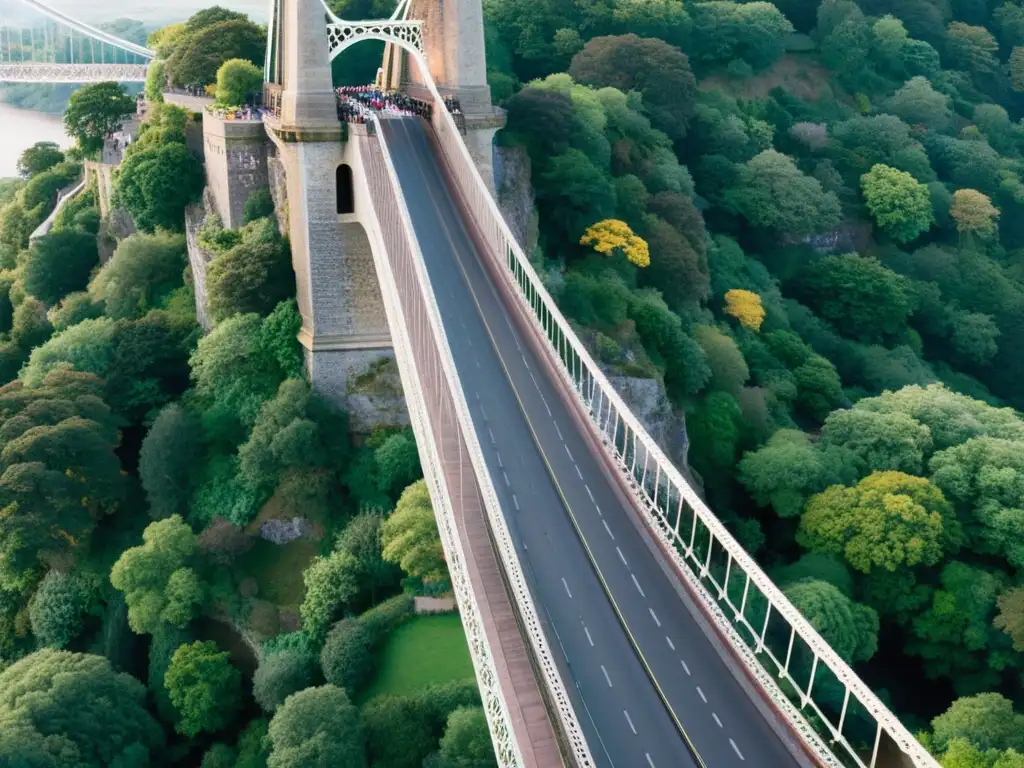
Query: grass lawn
[278,569]
[421,652]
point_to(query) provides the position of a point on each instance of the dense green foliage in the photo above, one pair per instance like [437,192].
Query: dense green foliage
[96,111]
[862,184]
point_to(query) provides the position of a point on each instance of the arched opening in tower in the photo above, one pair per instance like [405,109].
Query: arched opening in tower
[346,197]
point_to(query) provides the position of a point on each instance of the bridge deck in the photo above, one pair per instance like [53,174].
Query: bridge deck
[624,637]
[519,686]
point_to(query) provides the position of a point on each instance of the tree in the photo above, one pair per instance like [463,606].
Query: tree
[788,469]
[858,295]
[157,581]
[770,191]
[73,309]
[41,156]
[96,111]
[982,477]
[466,742]
[746,307]
[973,213]
[346,659]
[575,192]
[58,609]
[278,676]
[156,182]
[204,687]
[986,720]
[259,205]
[679,270]
[542,119]
[753,32]
[253,276]
[58,264]
[318,728]
[818,388]
[170,453]
[297,430]
[156,81]
[240,364]
[361,539]
[330,584]
[973,48]
[920,104]
[410,536]
[612,236]
[202,51]
[1010,618]
[1016,67]
[238,82]
[888,520]
[398,463]
[900,204]
[142,274]
[729,370]
[882,441]
[658,71]
[851,629]
[59,703]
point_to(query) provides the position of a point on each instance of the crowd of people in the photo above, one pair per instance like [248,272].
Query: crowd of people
[247,112]
[355,100]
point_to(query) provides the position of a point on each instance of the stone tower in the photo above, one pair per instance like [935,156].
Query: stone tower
[453,38]
[344,328]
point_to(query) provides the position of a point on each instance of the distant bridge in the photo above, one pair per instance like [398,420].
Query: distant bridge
[41,45]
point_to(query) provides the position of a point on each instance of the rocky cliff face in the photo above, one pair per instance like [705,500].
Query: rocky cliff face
[198,258]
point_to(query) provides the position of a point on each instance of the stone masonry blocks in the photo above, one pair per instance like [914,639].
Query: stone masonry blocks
[236,164]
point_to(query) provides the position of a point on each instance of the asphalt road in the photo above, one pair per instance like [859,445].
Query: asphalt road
[649,689]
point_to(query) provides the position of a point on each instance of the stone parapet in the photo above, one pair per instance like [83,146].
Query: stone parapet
[236,164]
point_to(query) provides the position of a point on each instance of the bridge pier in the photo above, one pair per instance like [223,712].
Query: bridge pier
[349,353]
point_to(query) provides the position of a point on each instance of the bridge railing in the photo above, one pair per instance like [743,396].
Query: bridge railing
[811,686]
[432,412]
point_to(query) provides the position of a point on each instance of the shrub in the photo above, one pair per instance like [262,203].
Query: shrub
[346,660]
[278,677]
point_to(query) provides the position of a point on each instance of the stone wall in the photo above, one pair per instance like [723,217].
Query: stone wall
[365,382]
[278,189]
[236,164]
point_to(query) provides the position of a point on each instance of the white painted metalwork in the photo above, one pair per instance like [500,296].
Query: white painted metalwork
[347,33]
[691,547]
[422,361]
[27,72]
[89,31]
[342,34]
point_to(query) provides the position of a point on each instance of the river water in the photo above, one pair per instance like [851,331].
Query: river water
[20,129]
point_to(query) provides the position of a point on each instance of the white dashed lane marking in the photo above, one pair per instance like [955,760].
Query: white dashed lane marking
[717,720]
[622,557]
[649,761]
[515,501]
[570,454]
[607,528]
[559,432]
[500,465]
[608,679]
[702,696]
[637,585]
[578,470]
[672,645]
[684,666]
[737,750]
[655,617]
[566,584]
[589,638]
[505,475]
[630,721]
[588,492]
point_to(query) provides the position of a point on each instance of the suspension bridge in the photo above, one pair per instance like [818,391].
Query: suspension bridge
[41,45]
[612,619]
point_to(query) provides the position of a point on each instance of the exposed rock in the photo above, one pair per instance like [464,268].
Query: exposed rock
[515,194]
[649,402]
[199,258]
[278,189]
[278,531]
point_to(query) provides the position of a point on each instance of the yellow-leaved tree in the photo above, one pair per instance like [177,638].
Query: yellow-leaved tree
[974,213]
[746,307]
[612,236]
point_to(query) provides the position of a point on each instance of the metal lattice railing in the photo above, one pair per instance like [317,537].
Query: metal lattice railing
[763,628]
[71,73]
[416,334]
